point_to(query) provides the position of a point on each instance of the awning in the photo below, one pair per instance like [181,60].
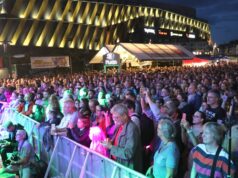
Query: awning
[136,53]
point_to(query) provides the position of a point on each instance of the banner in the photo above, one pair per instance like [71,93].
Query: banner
[49,62]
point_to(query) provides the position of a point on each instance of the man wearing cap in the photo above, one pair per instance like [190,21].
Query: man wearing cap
[9,144]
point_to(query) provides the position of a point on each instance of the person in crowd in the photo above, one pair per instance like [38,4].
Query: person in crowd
[166,158]
[83,103]
[38,113]
[97,135]
[165,94]
[234,144]
[214,112]
[182,98]
[194,98]
[26,157]
[100,118]
[26,108]
[135,117]
[77,104]
[67,94]
[91,94]
[184,107]
[83,92]
[70,115]
[10,144]
[193,134]
[102,97]
[149,107]
[92,106]
[53,108]
[204,154]
[80,132]
[159,86]
[118,92]
[3,99]
[39,99]
[128,86]
[14,100]
[131,96]
[125,147]
[45,99]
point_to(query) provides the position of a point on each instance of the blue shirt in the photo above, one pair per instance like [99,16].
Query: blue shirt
[167,156]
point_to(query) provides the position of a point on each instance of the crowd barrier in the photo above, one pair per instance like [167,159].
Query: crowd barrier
[69,159]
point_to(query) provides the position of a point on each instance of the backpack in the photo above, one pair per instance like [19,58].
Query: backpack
[147,129]
[39,167]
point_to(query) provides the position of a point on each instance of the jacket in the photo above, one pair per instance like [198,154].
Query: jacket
[129,150]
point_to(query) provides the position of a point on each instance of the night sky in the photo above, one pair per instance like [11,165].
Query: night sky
[222,15]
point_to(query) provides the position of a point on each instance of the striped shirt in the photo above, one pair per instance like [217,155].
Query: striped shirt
[203,163]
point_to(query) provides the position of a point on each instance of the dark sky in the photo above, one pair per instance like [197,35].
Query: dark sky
[222,16]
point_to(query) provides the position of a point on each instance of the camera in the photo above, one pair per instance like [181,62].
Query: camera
[15,156]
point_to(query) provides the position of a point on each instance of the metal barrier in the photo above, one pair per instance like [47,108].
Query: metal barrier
[82,162]
[70,159]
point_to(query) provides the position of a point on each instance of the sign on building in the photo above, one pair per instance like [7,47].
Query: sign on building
[111,59]
[49,62]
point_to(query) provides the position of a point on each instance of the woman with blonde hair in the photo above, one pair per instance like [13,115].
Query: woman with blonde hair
[209,158]
[97,135]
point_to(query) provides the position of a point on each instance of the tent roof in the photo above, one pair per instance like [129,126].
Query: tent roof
[157,51]
[149,52]
[98,58]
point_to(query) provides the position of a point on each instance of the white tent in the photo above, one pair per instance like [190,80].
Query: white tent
[143,54]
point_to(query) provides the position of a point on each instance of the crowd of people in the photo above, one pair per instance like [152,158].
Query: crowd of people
[163,121]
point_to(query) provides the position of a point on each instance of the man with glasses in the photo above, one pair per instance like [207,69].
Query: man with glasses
[214,112]
[125,146]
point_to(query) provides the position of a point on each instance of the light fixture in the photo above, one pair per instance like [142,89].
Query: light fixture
[3,10]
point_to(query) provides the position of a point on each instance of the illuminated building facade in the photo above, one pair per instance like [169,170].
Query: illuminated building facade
[89,25]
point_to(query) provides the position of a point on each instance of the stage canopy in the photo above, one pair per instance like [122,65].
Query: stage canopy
[143,54]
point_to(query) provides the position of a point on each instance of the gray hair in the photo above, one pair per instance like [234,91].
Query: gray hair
[120,108]
[22,133]
[167,128]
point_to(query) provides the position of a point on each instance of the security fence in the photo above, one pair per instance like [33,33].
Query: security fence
[69,159]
